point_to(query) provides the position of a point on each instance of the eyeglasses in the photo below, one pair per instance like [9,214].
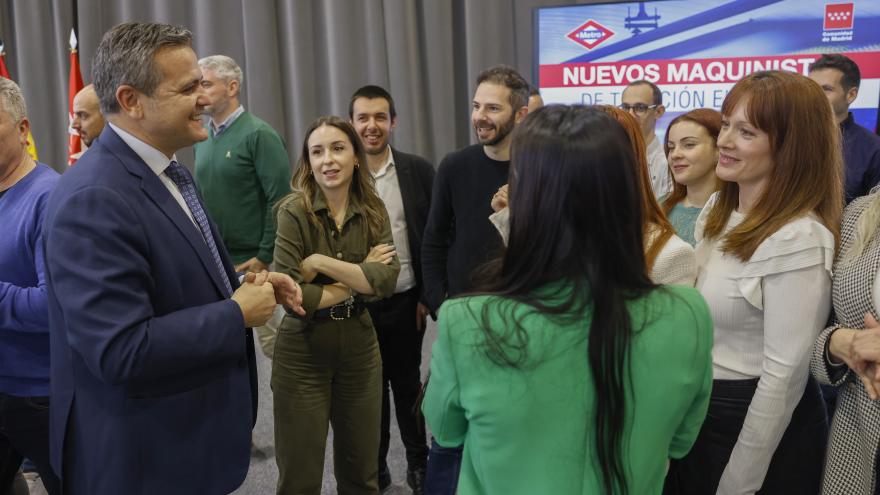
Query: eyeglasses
[638,108]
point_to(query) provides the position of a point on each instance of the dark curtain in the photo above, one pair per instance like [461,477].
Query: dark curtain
[301,58]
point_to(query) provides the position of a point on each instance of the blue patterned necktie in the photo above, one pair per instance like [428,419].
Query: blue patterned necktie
[184,182]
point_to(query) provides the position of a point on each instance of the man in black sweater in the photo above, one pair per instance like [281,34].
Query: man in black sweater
[403,181]
[459,236]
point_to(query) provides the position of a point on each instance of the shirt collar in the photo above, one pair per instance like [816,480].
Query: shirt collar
[226,123]
[320,203]
[389,161]
[155,159]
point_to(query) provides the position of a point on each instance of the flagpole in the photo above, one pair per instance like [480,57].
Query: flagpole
[74,143]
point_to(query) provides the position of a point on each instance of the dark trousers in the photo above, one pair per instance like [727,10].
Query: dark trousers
[24,432]
[796,466]
[400,344]
[444,467]
[829,394]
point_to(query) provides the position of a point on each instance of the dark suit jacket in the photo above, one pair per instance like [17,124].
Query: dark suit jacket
[415,175]
[152,370]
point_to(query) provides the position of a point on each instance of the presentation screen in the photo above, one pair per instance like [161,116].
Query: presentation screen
[695,50]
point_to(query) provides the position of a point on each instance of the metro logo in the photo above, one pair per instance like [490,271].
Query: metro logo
[590,34]
[838,16]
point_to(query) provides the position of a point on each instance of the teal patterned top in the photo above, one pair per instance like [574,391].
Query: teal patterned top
[683,219]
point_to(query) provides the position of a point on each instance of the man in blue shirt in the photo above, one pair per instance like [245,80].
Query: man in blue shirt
[840,77]
[24,318]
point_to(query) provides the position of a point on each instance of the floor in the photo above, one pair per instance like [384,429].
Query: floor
[263,473]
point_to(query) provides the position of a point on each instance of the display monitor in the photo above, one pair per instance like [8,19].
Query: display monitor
[695,50]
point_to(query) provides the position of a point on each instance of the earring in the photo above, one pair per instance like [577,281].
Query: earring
[356,165]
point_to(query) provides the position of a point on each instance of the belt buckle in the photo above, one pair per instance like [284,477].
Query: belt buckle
[348,304]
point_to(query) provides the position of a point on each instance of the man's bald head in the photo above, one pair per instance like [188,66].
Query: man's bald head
[87,118]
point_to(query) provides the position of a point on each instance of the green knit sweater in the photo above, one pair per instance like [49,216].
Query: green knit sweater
[241,174]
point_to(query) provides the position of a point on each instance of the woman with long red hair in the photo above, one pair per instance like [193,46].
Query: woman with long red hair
[670,260]
[692,153]
[765,248]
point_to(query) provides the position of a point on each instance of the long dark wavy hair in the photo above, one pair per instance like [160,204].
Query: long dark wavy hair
[576,217]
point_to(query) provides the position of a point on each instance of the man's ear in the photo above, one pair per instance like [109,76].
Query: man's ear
[233,88]
[660,110]
[130,101]
[393,122]
[24,128]
[852,94]
[521,114]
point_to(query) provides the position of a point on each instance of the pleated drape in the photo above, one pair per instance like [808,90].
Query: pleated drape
[301,58]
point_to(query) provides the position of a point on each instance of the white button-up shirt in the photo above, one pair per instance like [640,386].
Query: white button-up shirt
[158,162]
[661,182]
[388,188]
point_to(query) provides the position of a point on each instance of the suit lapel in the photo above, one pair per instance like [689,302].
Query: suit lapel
[405,181]
[161,197]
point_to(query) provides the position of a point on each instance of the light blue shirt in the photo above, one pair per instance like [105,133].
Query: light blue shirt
[215,130]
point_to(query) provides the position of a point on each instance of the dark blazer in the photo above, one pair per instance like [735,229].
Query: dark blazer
[415,175]
[152,370]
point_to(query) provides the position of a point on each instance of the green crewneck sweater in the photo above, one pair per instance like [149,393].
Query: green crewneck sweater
[241,174]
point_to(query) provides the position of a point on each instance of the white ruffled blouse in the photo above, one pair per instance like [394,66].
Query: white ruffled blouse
[767,313]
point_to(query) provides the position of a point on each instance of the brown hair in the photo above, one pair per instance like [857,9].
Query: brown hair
[508,77]
[362,188]
[656,228]
[807,171]
[708,119]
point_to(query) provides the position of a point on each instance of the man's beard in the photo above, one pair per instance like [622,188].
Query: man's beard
[500,132]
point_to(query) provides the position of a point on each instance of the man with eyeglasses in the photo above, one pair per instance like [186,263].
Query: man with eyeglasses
[644,101]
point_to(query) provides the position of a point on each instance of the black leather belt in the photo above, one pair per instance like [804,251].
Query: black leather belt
[350,308]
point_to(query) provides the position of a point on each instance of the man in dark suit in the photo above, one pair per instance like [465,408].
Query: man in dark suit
[152,367]
[404,183]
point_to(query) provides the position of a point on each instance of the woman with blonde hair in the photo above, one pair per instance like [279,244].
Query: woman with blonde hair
[692,154]
[765,247]
[846,354]
[334,238]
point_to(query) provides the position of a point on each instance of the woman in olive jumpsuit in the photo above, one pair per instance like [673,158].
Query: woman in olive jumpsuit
[334,238]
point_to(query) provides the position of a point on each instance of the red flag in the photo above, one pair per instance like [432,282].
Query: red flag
[74,145]
[4,72]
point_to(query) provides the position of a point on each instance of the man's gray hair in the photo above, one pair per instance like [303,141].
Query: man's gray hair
[224,66]
[126,56]
[12,100]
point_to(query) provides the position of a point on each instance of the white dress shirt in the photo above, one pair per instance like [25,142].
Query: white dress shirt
[158,162]
[388,188]
[661,183]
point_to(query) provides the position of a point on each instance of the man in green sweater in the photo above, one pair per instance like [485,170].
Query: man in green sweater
[242,170]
